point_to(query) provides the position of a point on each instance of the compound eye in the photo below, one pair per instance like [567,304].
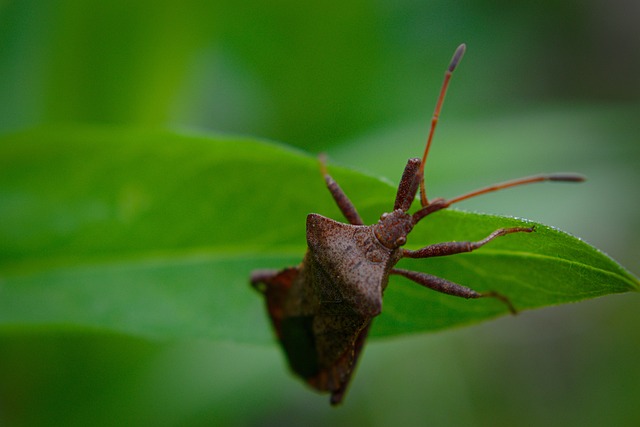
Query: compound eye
[401,241]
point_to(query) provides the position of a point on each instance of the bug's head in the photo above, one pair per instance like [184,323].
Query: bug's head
[393,227]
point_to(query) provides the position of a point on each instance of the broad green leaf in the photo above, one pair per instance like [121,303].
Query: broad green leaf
[155,234]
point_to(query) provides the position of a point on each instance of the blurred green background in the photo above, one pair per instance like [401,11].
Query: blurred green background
[544,86]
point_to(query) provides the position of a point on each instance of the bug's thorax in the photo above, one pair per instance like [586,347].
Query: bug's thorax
[392,228]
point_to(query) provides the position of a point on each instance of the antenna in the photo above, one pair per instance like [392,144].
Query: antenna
[457,56]
[439,204]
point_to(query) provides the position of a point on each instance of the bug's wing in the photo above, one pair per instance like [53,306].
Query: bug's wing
[275,286]
[336,377]
[350,265]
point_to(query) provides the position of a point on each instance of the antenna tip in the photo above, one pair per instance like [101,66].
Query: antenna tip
[457,56]
[567,177]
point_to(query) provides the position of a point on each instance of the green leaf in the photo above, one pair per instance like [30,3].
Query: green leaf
[154,234]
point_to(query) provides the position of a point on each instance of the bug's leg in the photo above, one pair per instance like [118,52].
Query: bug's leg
[346,207]
[450,288]
[452,248]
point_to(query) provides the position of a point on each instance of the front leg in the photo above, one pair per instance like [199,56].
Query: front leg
[452,248]
[346,207]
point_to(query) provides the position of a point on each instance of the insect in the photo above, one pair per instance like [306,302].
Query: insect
[321,310]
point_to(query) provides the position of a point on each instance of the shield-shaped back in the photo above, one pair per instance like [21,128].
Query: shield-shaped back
[351,265]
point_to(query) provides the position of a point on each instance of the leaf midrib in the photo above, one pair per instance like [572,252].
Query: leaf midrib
[36,266]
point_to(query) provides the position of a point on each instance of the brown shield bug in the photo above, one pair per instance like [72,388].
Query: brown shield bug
[322,309]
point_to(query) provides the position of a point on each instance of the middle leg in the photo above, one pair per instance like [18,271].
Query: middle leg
[450,288]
